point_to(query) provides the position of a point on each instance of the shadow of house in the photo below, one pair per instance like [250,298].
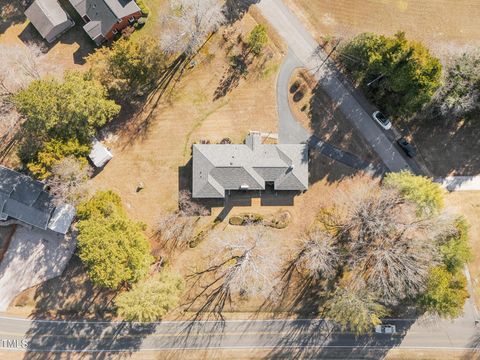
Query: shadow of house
[75,35]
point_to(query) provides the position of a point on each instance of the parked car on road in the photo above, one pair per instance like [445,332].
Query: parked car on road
[407,147]
[385,329]
[382,120]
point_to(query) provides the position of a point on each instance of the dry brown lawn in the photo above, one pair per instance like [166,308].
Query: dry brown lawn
[153,148]
[467,203]
[445,26]
[155,151]
[66,53]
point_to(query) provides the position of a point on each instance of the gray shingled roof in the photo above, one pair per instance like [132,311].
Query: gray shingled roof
[24,199]
[103,14]
[220,167]
[49,18]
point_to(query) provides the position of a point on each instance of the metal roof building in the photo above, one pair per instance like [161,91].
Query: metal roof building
[249,166]
[24,199]
[49,18]
[99,155]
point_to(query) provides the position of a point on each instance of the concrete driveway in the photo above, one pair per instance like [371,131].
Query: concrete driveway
[303,46]
[33,257]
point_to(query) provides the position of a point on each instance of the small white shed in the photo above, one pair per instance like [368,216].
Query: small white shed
[99,155]
[49,18]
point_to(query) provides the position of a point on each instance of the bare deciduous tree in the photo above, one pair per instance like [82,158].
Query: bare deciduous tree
[19,65]
[189,23]
[68,181]
[176,231]
[391,250]
[188,207]
[242,264]
[318,254]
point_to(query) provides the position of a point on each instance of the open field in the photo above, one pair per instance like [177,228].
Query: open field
[445,26]
[467,203]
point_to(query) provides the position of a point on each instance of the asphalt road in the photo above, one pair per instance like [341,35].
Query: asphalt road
[303,46]
[277,335]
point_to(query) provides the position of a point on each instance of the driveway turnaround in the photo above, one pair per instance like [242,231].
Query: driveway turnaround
[303,46]
[291,132]
[33,256]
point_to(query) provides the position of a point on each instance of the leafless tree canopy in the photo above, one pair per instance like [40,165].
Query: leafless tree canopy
[176,231]
[188,207]
[242,264]
[245,262]
[318,254]
[19,65]
[189,23]
[390,248]
[68,181]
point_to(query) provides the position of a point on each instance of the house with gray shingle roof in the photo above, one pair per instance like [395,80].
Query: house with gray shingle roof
[218,168]
[105,18]
[24,199]
[49,18]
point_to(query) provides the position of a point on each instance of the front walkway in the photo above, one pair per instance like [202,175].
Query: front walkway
[460,183]
[33,257]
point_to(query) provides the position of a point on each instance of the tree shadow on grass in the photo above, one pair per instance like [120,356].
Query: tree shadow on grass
[72,298]
[447,147]
[237,70]
[136,116]
[330,124]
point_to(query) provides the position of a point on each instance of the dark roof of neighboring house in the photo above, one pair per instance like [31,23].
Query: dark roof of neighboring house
[103,14]
[220,167]
[24,199]
[45,15]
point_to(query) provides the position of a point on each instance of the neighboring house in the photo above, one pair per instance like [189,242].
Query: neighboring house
[48,17]
[106,18]
[250,166]
[99,155]
[24,200]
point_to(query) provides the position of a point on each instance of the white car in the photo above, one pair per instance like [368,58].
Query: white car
[385,329]
[382,120]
